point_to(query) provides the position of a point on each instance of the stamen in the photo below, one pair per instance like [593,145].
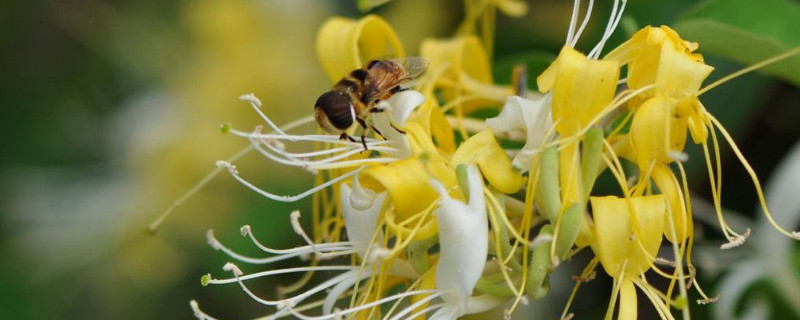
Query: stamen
[737,241]
[583,23]
[298,228]
[246,231]
[363,306]
[415,305]
[256,104]
[678,156]
[573,20]
[613,22]
[199,314]
[709,300]
[232,170]
[296,252]
[426,310]
[192,191]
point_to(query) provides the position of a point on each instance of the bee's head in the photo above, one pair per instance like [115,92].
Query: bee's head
[334,112]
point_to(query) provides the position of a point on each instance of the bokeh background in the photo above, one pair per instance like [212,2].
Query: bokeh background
[110,110]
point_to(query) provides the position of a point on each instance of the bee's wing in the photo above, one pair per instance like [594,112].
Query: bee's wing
[414,66]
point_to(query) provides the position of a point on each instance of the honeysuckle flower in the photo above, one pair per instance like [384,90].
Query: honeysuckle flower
[442,227]
[529,115]
[463,241]
[628,234]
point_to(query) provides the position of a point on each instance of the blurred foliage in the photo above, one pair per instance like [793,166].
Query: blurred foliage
[110,110]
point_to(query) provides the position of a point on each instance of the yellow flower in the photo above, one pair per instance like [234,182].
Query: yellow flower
[628,234]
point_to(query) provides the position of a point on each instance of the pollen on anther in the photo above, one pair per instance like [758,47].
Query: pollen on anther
[245,230]
[709,300]
[232,268]
[250,98]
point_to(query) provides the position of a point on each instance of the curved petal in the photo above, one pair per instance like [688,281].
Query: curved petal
[463,243]
[360,223]
[532,116]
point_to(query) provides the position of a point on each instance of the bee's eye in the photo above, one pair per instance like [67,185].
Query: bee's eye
[338,108]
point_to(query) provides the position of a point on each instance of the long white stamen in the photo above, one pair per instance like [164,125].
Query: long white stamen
[583,24]
[573,21]
[352,276]
[281,271]
[256,104]
[341,287]
[308,138]
[345,245]
[426,310]
[199,314]
[616,16]
[153,226]
[297,252]
[415,305]
[293,161]
[363,306]
[232,170]
[298,228]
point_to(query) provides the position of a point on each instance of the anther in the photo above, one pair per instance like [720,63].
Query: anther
[245,230]
[230,267]
[227,165]
[212,241]
[709,300]
[735,242]
[250,98]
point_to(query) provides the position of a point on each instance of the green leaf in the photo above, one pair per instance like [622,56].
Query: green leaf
[747,31]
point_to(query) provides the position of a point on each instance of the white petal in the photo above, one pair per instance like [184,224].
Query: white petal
[360,223]
[399,107]
[463,244]
[532,116]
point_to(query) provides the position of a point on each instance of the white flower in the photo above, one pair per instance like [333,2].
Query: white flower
[531,116]
[463,247]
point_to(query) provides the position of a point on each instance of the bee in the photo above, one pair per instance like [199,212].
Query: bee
[354,98]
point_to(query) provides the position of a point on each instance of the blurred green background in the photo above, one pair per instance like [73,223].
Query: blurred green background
[110,110]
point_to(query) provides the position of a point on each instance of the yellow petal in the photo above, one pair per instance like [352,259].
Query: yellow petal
[463,62]
[408,183]
[656,132]
[668,185]
[432,119]
[345,44]
[615,222]
[482,149]
[659,56]
[581,88]
[627,300]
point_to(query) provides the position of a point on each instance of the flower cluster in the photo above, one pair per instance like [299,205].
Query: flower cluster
[440,219]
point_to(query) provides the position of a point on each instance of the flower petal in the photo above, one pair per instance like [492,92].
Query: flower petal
[615,237]
[345,44]
[360,224]
[463,243]
[532,116]
[482,149]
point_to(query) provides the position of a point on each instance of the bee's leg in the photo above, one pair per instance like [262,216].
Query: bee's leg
[376,110]
[377,131]
[345,136]
[396,127]
[365,126]
[364,141]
